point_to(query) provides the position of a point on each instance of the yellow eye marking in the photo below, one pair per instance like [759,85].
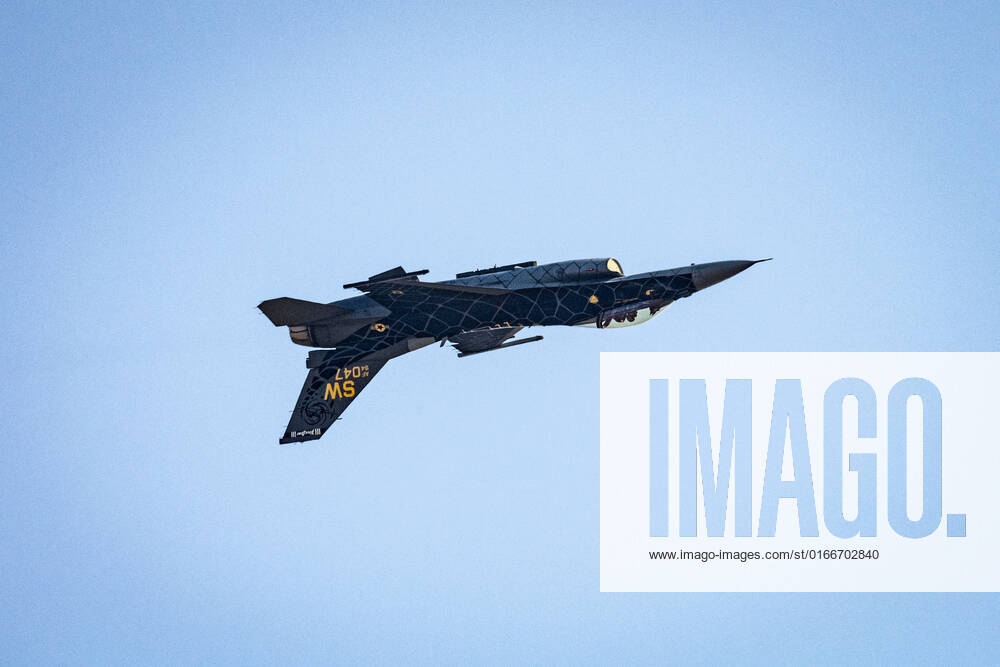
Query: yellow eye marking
[593,299]
[379,327]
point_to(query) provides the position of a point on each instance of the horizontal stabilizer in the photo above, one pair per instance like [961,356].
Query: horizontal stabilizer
[285,311]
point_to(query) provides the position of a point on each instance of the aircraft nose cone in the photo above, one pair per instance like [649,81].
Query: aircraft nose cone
[706,275]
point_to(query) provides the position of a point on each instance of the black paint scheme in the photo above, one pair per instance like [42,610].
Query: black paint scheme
[478,311]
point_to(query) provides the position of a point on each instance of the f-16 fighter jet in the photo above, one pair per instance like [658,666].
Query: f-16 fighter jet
[479,311]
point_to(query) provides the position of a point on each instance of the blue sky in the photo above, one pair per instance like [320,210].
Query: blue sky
[165,168]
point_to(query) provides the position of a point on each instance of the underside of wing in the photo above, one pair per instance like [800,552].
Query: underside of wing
[480,340]
[484,340]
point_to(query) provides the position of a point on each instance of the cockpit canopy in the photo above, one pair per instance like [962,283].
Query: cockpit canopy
[587,269]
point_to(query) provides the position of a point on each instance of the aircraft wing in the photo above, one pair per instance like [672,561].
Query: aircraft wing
[428,288]
[399,279]
[480,340]
[401,296]
[484,340]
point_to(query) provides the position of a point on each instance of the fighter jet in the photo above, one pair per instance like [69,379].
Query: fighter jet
[479,311]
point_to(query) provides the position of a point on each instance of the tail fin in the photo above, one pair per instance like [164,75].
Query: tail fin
[335,379]
[329,388]
[285,311]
